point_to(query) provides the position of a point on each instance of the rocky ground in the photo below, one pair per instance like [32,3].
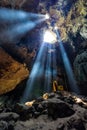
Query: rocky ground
[52,111]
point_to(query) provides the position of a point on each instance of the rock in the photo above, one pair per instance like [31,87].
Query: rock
[76,123]
[59,109]
[9,116]
[51,95]
[24,111]
[18,4]
[69,100]
[40,108]
[30,6]
[11,125]
[1,110]
[85,115]
[36,114]
[44,112]
[45,96]
[53,113]
[27,125]
[35,104]
[44,104]
[83,31]
[40,99]
[3,125]
[60,126]
[80,65]
[11,72]
[30,103]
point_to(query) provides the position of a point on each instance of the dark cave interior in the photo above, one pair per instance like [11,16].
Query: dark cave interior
[43,64]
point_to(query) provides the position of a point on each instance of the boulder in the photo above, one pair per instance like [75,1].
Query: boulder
[24,111]
[59,109]
[6,116]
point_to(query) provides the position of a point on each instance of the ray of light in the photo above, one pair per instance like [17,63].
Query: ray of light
[51,68]
[54,63]
[67,65]
[14,31]
[42,67]
[17,23]
[48,71]
[11,15]
[36,72]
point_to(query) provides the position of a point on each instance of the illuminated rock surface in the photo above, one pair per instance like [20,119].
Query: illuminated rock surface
[68,16]
[61,111]
[11,72]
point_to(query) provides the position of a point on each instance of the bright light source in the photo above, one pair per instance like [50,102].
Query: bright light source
[47,16]
[50,37]
[55,27]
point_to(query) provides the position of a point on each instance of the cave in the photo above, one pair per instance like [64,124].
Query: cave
[43,64]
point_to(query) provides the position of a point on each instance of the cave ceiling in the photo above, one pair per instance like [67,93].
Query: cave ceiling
[70,16]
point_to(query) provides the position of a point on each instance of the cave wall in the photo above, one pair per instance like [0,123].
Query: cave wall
[71,19]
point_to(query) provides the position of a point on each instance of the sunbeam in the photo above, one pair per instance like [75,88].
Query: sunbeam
[18,23]
[22,22]
[54,63]
[67,65]
[17,30]
[36,72]
[13,32]
[11,15]
[44,66]
[48,71]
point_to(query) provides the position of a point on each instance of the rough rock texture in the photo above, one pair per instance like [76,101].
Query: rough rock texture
[80,69]
[69,16]
[60,111]
[11,72]
[80,66]
[19,4]
[23,54]
[9,116]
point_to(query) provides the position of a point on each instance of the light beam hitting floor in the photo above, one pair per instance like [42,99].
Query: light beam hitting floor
[67,66]
[51,68]
[41,68]
[36,72]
